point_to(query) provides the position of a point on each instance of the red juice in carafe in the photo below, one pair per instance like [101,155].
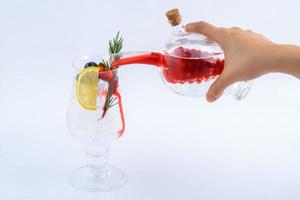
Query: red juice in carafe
[190,65]
[180,65]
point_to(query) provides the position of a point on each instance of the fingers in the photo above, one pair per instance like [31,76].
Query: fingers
[237,28]
[217,89]
[206,29]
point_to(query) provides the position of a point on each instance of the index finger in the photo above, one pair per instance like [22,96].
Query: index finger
[206,29]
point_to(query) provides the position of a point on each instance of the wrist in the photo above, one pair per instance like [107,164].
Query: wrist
[273,58]
[286,59]
[266,61]
[279,55]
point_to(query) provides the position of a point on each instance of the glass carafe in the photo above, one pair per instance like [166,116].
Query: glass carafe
[188,64]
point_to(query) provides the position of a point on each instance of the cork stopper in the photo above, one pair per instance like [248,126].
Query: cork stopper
[174,17]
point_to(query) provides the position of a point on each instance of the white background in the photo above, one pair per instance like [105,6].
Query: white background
[173,147]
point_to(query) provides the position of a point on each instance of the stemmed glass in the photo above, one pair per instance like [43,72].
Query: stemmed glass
[96,128]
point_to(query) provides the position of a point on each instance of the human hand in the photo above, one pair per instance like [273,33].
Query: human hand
[247,55]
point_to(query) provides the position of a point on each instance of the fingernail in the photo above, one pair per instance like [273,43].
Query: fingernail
[186,27]
[210,98]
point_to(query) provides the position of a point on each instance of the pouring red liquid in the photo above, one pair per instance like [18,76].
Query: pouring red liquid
[113,89]
[180,65]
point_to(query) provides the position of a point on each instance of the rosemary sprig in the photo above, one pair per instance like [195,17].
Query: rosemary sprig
[112,102]
[115,46]
[105,64]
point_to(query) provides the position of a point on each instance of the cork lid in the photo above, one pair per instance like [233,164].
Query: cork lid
[174,16]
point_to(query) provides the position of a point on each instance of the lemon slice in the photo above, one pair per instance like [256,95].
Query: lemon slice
[86,87]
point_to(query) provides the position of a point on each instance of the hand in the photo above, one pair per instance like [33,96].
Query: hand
[247,55]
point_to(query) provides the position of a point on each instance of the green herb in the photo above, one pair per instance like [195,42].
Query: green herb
[105,64]
[115,46]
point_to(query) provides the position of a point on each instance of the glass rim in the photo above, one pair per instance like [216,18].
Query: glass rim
[78,62]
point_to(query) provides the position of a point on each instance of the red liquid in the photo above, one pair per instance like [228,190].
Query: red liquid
[120,133]
[113,85]
[183,66]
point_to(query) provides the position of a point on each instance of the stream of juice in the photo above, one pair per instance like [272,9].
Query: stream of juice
[180,65]
[113,85]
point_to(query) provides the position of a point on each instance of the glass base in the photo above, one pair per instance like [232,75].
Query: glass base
[82,179]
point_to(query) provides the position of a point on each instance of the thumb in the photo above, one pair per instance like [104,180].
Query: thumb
[206,29]
[217,89]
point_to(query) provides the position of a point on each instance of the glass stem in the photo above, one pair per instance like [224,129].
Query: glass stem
[97,160]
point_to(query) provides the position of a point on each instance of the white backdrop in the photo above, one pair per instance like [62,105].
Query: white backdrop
[173,147]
